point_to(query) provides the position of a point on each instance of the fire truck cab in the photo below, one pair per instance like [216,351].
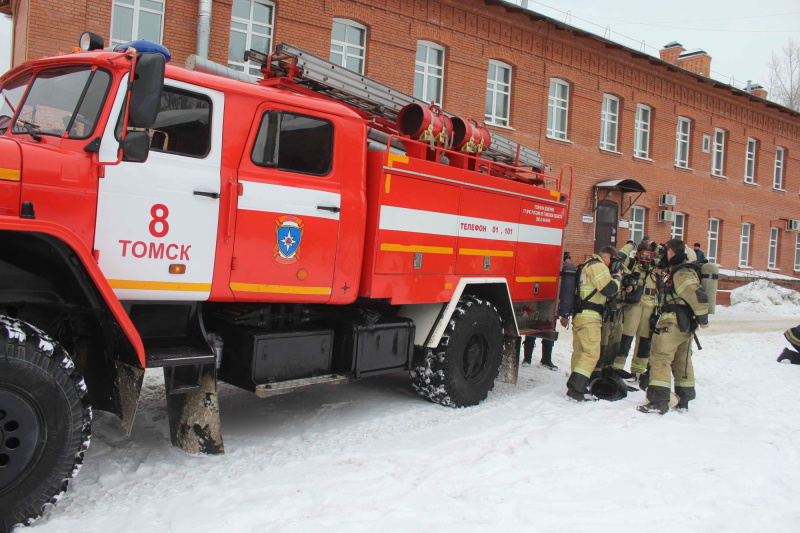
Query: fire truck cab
[306,229]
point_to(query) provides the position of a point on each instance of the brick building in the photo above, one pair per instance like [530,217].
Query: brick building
[720,165]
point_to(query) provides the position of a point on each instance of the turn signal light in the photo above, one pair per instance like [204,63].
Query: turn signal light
[177,269]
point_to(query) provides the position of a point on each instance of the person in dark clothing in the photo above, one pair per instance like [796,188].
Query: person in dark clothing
[564,311]
[793,336]
[547,352]
[701,256]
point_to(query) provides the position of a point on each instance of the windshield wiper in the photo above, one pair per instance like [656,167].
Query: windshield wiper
[30,128]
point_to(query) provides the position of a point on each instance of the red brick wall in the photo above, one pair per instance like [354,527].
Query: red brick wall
[474,31]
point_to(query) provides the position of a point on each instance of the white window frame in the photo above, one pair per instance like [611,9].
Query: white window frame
[558,110]
[713,240]
[136,6]
[428,71]
[797,253]
[609,123]
[641,133]
[637,224]
[750,160]
[772,256]
[744,244]
[780,161]
[346,49]
[718,153]
[683,132]
[250,32]
[497,89]
[678,226]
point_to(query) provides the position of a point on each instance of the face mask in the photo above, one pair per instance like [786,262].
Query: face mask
[645,256]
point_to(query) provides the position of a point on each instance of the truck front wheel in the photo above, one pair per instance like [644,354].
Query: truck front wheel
[45,422]
[461,371]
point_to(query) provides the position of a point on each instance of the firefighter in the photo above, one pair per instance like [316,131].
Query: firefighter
[793,336]
[595,285]
[611,333]
[639,305]
[685,307]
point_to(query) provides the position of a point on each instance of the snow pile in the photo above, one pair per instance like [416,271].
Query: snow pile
[763,296]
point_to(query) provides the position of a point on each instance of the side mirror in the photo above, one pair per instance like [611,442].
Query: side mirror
[135,147]
[146,91]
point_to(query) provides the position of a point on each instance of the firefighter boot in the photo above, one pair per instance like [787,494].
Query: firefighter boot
[547,355]
[578,388]
[644,380]
[657,400]
[791,355]
[643,352]
[685,395]
[622,356]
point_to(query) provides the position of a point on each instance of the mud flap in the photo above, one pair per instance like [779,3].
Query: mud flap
[509,367]
[127,388]
[194,422]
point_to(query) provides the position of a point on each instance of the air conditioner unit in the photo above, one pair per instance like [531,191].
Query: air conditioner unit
[666,216]
[667,200]
[793,225]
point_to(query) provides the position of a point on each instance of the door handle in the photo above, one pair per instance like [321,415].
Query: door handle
[331,208]
[214,195]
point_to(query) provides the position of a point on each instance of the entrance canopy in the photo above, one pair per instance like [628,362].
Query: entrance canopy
[623,186]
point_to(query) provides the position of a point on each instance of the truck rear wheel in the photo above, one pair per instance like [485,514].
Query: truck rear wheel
[461,371]
[45,422]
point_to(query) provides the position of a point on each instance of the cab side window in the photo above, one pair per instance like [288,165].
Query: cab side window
[295,143]
[183,124]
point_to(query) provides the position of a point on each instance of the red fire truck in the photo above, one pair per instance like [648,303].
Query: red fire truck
[310,227]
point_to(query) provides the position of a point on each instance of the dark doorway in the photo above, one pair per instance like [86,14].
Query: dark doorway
[605,229]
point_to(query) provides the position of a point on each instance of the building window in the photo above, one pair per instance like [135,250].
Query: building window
[429,72]
[706,144]
[136,19]
[780,155]
[797,253]
[251,28]
[637,224]
[744,246]
[498,93]
[772,261]
[609,120]
[557,109]
[713,240]
[718,158]
[678,226]
[750,161]
[348,44]
[641,138]
[682,142]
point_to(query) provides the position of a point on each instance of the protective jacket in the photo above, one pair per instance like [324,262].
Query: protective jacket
[595,286]
[684,301]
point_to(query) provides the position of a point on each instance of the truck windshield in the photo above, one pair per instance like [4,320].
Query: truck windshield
[10,95]
[63,100]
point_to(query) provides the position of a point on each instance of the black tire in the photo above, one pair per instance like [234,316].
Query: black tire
[45,422]
[462,370]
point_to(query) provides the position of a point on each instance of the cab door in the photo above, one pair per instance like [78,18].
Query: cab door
[157,221]
[287,221]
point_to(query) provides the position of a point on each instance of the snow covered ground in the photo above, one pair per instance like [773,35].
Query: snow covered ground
[370,456]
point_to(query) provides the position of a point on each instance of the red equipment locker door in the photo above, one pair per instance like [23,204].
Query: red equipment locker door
[287,221]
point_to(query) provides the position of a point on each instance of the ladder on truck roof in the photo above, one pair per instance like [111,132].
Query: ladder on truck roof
[370,97]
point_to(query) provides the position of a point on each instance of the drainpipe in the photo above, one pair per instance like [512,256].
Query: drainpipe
[203,28]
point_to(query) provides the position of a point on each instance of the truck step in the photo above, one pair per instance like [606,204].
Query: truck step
[274,389]
[177,356]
